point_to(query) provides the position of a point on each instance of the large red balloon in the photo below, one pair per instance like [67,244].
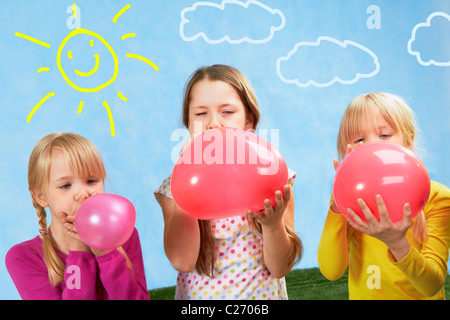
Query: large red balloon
[386,169]
[105,221]
[225,172]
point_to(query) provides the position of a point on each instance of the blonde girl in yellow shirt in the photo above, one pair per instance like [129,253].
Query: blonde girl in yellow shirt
[386,260]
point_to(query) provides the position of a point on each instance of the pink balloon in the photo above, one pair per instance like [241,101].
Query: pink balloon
[105,221]
[386,169]
[225,172]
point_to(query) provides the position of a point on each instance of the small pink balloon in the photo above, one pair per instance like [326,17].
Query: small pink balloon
[225,172]
[105,221]
[387,169]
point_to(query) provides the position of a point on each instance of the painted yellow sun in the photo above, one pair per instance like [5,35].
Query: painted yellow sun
[65,52]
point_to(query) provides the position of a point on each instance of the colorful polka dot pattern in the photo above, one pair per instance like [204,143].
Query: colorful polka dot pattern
[240,271]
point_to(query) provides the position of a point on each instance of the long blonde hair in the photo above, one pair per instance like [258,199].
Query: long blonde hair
[207,254]
[396,112]
[85,161]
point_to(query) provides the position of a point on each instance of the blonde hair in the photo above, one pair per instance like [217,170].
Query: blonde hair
[361,110]
[85,161]
[207,254]
[396,112]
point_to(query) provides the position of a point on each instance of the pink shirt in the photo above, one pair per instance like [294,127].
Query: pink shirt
[87,277]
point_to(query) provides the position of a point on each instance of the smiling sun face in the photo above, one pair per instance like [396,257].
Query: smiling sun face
[62,53]
[87,70]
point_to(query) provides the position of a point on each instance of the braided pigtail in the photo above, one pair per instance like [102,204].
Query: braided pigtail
[55,265]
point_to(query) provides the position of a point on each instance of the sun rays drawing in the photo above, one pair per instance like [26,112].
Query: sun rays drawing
[76,77]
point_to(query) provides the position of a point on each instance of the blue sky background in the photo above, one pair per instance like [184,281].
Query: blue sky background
[138,157]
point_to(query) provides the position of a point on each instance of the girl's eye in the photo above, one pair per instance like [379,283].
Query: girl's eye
[359,140]
[200,114]
[384,136]
[228,112]
[91,181]
[65,186]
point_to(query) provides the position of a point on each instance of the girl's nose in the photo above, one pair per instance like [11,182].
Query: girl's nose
[213,122]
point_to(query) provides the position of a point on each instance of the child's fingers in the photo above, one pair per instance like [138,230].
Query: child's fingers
[70,227]
[382,211]
[287,193]
[348,149]
[70,224]
[74,235]
[356,222]
[268,210]
[268,207]
[279,201]
[356,218]
[251,214]
[335,164]
[367,212]
[407,214]
[255,215]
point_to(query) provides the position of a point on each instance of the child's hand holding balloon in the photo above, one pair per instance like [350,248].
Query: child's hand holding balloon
[336,162]
[105,222]
[393,234]
[385,169]
[226,172]
[73,240]
[273,215]
[77,243]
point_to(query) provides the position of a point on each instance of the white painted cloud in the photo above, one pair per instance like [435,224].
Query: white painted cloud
[429,40]
[326,61]
[230,21]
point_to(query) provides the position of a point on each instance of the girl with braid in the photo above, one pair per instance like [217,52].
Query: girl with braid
[64,170]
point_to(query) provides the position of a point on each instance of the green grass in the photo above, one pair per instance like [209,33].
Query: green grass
[302,284]
[310,284]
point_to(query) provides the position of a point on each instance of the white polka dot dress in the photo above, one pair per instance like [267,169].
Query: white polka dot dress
[240,270]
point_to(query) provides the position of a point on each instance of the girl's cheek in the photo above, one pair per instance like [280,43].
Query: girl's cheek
[196,128]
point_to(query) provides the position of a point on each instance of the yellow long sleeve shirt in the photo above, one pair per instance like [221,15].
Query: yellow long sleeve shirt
[373,271]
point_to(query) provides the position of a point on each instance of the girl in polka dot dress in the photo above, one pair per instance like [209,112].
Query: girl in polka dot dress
[239,257]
